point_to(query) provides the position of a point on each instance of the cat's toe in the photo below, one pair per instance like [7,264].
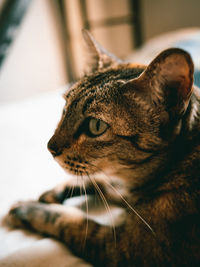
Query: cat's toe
[51,196]
[47,197]
[13,218]
[18,215]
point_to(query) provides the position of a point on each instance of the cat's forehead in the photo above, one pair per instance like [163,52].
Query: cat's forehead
[102,96]
[97,95]
[101,83]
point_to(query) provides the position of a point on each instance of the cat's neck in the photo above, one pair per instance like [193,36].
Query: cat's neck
[172,158]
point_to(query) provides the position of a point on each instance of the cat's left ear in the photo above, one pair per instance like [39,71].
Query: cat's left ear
[99,58]
[169,80]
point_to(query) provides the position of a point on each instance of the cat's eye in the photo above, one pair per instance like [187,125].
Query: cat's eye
[97,127]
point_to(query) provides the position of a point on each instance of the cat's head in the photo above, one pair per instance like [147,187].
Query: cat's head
[119,118]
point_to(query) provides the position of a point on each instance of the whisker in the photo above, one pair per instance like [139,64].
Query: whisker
[87,210]
[105,204]
[72,190]
[81,190]
[125,201]
[139,216]
[80,186]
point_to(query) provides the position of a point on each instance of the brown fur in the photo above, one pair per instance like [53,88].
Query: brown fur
[148,158]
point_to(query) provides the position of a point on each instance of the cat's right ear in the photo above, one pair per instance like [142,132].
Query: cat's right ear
[98,57]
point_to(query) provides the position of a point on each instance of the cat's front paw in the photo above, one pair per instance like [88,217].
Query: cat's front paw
[20,214]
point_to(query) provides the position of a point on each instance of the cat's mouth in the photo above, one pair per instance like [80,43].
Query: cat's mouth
[76,165]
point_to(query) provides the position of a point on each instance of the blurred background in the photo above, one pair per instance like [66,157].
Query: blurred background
[41,46]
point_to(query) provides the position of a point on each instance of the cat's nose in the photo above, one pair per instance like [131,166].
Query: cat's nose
[54,147]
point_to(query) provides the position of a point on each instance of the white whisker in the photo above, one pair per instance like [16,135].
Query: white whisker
[105,204]
[87,211]
[72,190]
[125,201]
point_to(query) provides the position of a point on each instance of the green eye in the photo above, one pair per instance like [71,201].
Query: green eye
[97,127]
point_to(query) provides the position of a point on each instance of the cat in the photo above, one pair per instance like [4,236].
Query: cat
[131,133]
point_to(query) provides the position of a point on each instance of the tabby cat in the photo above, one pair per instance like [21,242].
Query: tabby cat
[131,133]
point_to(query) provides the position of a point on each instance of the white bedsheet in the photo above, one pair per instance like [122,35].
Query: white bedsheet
[26,170]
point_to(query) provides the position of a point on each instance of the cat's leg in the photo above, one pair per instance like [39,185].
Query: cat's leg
[65,223]
[71,188]
[66,190]
[42,217]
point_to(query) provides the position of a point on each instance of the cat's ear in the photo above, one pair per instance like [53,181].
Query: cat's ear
[99,58]
[168,79]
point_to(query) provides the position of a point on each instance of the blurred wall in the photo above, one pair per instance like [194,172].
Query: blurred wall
[117,38]
[160,16]
[35,62]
